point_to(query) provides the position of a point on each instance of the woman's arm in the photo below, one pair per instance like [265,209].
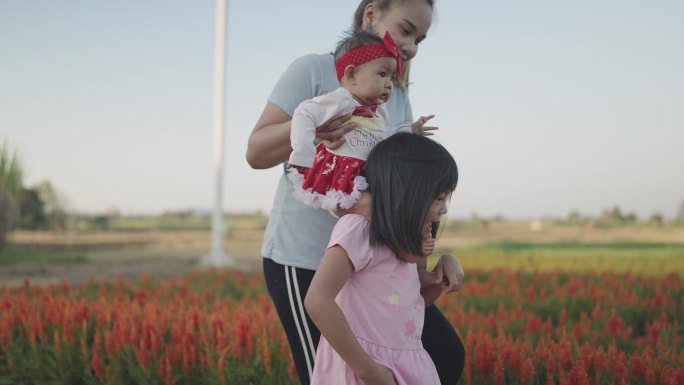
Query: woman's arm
[269,142]
[335,269]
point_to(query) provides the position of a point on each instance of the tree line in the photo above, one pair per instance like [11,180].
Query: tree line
[25,207]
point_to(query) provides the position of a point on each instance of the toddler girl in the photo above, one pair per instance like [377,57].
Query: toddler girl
[366,297]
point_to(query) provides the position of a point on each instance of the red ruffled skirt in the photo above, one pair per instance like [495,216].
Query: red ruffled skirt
[334,181]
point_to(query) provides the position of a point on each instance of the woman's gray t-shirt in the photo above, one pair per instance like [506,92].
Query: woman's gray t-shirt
[297,234]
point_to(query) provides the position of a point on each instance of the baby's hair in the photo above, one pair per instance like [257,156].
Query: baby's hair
[405,174]
[353,40]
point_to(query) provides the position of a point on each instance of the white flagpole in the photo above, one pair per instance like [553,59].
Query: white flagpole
[217,256]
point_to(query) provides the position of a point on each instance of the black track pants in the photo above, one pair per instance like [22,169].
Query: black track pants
[287,287]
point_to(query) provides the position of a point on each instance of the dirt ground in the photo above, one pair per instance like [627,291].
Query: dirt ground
[172,253]
[123,254]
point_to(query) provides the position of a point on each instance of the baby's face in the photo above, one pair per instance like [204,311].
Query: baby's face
[373,81]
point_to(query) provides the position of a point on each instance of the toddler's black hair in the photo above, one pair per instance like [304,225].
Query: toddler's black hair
[405,174]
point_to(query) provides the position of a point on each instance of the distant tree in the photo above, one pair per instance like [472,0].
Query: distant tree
[31,210]
[574,218]
[499,218]
[615,217]
[53,203]
[6,208]
[478,221]
[679,220]
[11,182]
[101,222]
[616,214]
[630,218]
[657,220]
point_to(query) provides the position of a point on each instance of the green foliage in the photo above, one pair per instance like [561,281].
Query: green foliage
[9,256]
[656,259]
[31,210]
[11,170]
[53,206]
[11,180]
[679,220]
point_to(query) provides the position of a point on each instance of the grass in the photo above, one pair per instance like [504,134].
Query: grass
[175,222]
[10,256]
[656,259]
[613,246]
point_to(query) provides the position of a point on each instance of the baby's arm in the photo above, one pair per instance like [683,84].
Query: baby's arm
[335,269]
[302,134]
[309,115]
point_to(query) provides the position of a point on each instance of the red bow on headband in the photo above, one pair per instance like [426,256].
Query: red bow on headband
[392,48]
[371,52]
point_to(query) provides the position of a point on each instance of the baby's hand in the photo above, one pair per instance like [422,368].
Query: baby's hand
[419,127]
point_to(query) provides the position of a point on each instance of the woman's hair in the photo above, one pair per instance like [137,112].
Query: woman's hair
[383,6]
[405,174]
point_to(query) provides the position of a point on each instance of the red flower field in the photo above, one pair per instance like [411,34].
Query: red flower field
[221,328]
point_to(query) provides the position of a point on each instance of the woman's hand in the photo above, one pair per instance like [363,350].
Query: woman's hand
[419,127]
[331,133]
[449,272]
[378,375]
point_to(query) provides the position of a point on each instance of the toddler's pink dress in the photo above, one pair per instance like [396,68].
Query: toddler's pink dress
[384,308]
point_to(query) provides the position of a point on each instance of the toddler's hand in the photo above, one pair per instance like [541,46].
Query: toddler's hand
[428,243]
[428,247]
[419,127]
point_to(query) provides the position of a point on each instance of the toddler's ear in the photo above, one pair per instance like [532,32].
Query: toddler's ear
[350,73]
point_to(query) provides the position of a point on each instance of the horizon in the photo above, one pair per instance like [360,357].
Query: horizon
[199,213]
[547,108]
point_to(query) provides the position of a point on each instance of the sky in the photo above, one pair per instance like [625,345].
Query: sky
[548,107]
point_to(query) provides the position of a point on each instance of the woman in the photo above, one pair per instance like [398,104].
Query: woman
[296,235]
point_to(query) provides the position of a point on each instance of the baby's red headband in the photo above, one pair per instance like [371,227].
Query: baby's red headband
[369,52]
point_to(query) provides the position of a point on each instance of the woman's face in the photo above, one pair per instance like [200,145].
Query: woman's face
[408,22]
